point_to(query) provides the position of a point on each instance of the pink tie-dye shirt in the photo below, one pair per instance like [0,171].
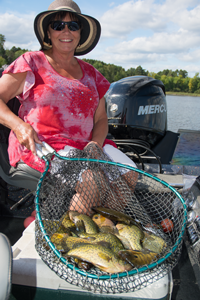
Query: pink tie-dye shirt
[61,110]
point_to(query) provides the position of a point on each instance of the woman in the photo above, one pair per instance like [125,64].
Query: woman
[62,97]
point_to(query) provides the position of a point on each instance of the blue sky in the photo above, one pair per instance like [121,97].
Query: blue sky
[156,34]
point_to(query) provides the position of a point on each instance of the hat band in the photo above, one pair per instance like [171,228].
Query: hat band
[64,8]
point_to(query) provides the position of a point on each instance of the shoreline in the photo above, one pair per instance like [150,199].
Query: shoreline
[182,94]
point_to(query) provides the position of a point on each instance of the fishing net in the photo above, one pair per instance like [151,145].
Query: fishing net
[87,179]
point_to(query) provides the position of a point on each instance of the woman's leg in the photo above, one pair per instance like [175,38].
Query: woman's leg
[123,186]
[90,191]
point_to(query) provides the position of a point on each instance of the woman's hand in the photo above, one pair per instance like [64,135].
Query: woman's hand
[94,149]
[96,143]
[27,136]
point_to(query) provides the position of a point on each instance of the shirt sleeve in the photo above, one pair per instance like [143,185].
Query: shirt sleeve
[22,64]
[102,84]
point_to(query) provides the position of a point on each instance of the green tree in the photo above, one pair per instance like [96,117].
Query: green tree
[2,41]
[152,74]
[183,73]
[14,53]
[140,71]
[2,61]
[130,72]
[185,85]
[190,85]
[177,83]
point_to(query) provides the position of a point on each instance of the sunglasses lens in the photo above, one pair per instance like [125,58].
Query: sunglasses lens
[59,25]
[73,26]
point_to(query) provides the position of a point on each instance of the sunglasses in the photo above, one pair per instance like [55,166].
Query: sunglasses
[60,25]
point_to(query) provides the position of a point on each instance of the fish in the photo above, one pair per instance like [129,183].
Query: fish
[124,241]
[58,238]
[132,233]
[66,222]
[80,263]
[155,229]
[85,221]
[115,243]
[138,258]
[153,242]
[84,265]
[116,216]
[108,229]
[101,257]
[100,220]
[71,242]
[105,225]
[110,239]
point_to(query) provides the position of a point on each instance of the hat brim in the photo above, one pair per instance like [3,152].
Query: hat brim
[90,32]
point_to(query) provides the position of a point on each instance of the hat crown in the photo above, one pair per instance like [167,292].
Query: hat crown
[64,4]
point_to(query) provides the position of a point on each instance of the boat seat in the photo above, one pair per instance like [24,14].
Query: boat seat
[22,176]
[5,267]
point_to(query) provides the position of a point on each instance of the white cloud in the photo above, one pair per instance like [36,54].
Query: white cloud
[193,56]
[154,34]
[120,21]
[18,30]
[190,19]
[164,43]
[125,18]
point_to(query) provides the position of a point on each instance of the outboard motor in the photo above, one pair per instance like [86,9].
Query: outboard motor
[136,109]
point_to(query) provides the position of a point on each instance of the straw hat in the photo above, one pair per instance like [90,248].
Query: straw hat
[90,32]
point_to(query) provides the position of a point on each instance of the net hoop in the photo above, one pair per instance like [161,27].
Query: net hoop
[111,276]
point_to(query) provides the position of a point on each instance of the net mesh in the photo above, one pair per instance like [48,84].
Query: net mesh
[81,184]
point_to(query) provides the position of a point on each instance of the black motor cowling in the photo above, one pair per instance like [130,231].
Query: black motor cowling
[136,109]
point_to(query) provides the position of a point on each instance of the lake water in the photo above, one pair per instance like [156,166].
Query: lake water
[183,112]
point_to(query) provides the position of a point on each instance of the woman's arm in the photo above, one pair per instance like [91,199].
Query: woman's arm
[100,129]
[12,85]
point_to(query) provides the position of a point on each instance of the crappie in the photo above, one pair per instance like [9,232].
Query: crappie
[138,258]
[153,243]
[101,257]
[133,234]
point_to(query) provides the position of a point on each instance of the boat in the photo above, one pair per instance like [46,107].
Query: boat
[137,116]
